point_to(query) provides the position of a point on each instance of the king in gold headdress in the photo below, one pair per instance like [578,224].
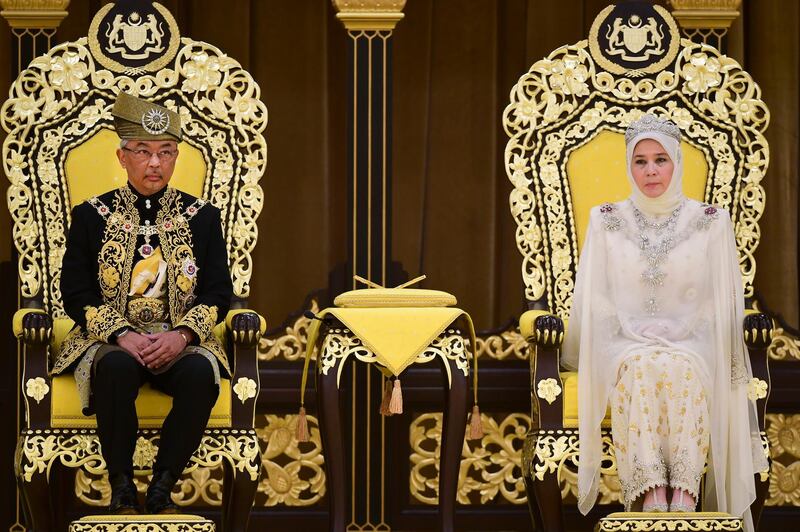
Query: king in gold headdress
[135,118]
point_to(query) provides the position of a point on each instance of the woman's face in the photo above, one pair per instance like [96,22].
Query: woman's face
[651,168]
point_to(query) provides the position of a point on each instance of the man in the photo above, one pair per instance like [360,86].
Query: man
[145,277]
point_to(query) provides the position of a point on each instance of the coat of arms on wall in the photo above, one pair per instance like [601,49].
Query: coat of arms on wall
[134,36]
[634,39]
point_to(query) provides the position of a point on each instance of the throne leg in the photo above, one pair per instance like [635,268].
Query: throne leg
[238,493]
[36,500]
[762,488]
[332,434]
[548,501]
[454,424]
[23,504]
[533,507]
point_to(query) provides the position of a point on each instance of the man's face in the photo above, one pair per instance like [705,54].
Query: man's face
[149,163]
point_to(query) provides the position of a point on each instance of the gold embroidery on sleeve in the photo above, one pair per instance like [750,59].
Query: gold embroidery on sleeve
[200,319]
[102,321]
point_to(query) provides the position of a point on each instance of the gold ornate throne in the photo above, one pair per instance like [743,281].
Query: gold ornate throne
[60,151]
[565,122]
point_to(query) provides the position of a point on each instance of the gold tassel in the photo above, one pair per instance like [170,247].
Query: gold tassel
[475,425]
[301,433]
[396,403]
[387,397]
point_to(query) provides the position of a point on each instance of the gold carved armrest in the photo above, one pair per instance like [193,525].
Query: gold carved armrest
[34,328]
[544,333]
[245,328]
[757,336]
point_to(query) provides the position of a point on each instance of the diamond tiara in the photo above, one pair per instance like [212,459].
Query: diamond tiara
[650,122]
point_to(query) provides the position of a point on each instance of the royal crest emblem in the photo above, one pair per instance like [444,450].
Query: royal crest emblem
[134,36]
[634,38]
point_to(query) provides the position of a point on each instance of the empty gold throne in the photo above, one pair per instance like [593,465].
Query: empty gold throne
[60,150]
[566,154]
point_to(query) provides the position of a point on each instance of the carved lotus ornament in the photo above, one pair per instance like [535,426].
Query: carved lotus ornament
[548,389]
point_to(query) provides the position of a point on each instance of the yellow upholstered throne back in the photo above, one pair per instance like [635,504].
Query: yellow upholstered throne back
[566,152]
[566,149]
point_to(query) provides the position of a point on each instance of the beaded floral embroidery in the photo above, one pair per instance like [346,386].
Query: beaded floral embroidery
[654,250]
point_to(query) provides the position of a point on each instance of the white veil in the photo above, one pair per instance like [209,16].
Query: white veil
[606,322]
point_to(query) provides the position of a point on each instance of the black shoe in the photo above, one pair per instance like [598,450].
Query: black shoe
[158,499]
[123,494]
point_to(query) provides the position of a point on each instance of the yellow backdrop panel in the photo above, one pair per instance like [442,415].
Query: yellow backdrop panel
[93,168]
[597,174]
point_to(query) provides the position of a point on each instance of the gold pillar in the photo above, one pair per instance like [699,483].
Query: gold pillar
[706,21]
[369,25]
[33,24]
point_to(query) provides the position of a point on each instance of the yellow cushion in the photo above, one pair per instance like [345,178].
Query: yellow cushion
[152,406]
[219,331]
[61,327]
[394,297]
[171,518]
[570,380]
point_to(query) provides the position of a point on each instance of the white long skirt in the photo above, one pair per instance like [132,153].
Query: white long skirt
[659,424]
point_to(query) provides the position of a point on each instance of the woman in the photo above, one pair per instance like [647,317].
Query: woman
[656,330]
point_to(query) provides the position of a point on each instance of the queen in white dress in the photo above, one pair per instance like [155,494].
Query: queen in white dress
[655,333]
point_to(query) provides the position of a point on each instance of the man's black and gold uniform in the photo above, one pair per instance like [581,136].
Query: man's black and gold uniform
[141,262]
[150,264]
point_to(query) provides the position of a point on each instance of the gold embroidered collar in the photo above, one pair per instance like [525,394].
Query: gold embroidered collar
[148,229]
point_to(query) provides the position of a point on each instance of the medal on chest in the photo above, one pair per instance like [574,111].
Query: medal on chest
[147,230]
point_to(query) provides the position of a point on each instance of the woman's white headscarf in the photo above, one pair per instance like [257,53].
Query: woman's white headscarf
[668,135]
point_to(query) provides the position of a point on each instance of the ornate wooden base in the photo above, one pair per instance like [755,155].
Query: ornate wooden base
[455,371]
[136,523]
[550,468]
[647,522]
[237,450]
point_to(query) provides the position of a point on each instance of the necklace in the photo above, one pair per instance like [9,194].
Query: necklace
[643,223]
[655,252]
[147,230]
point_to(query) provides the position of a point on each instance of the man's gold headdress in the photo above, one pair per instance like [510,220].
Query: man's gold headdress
[137,119]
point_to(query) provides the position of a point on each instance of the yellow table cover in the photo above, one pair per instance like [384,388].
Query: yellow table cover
[396,335]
